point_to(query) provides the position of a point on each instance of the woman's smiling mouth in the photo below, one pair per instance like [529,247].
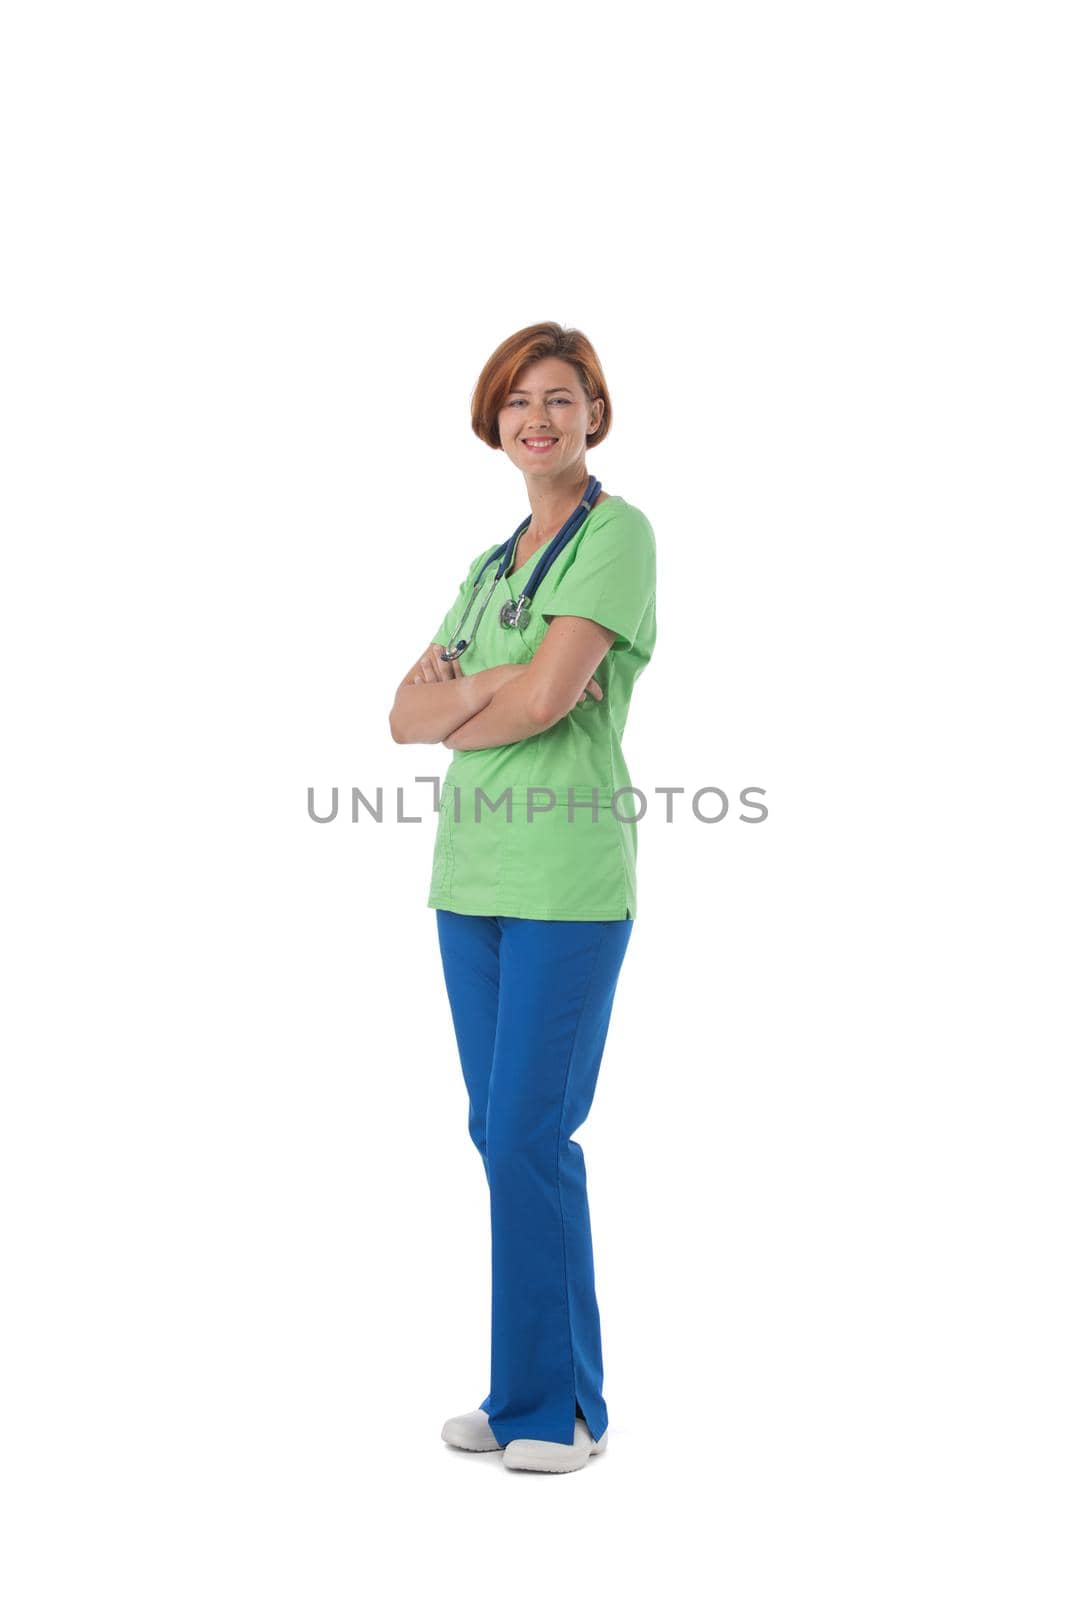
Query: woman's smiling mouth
[541,445]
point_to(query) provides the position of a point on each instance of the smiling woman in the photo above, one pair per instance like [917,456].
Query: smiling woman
[540,441]
[528,681]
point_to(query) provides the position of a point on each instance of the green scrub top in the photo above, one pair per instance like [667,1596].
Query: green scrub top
[556,863]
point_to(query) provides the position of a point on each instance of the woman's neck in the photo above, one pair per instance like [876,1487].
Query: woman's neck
[552,502]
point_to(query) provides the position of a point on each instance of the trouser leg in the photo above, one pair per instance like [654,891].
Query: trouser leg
[470,956]
[556,987]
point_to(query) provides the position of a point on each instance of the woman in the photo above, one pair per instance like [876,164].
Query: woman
[534,870]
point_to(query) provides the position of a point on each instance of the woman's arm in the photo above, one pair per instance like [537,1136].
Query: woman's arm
[548,689]
[437,696]
[507,717]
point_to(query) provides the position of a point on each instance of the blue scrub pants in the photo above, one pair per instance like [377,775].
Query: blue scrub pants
[531,1001]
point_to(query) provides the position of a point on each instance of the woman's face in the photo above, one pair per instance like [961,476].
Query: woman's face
[548,404]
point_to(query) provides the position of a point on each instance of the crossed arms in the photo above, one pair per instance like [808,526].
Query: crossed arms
[437,703]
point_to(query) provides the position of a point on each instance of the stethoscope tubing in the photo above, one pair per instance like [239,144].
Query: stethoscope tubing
[505,552]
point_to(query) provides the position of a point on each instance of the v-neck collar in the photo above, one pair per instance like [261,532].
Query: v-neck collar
[509,577]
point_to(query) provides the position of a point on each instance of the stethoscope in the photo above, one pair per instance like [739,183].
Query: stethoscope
[516,613]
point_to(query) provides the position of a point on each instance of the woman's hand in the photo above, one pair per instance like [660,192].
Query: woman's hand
[431,669]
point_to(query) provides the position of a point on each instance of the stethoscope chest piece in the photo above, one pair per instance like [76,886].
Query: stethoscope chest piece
[513,614]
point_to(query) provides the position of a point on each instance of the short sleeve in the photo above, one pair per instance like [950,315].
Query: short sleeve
[612,579]
[459,604]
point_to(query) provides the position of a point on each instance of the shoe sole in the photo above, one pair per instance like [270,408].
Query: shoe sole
[475,1449]
[525,1463]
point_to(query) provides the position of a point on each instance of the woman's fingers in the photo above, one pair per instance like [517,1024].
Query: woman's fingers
[433,669]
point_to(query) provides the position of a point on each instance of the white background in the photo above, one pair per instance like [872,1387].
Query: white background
[256,257]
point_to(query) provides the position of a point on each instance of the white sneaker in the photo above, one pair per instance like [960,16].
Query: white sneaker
[471,1431]
[544,1455]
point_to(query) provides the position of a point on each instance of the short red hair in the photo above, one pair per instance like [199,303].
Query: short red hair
[531,344]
